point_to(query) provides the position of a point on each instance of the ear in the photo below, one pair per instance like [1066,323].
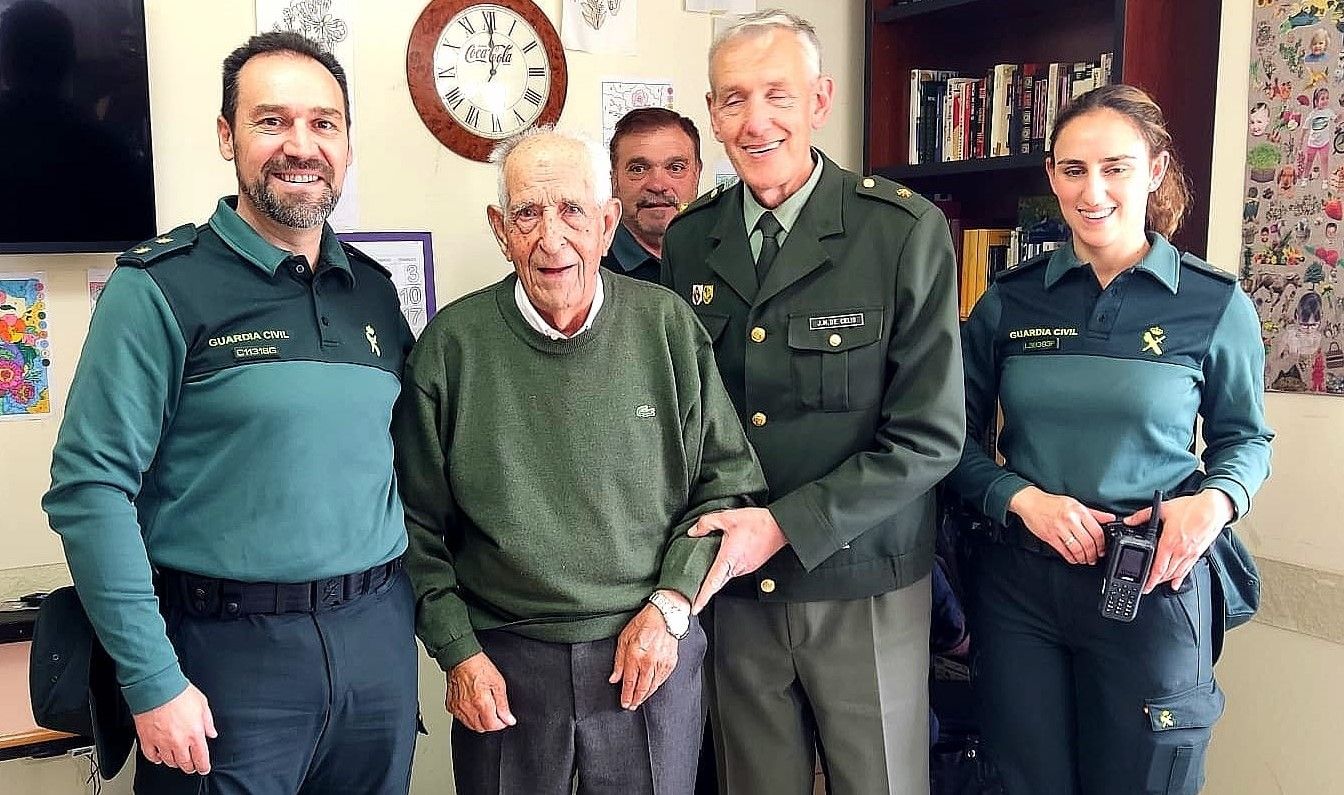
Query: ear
[823,95]
[1050,173]
[713,117]
[225,134]
[611,216]
[1159,171]
[496,218]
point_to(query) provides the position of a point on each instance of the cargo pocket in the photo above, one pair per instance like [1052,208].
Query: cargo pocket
[836,359]
[1182,724]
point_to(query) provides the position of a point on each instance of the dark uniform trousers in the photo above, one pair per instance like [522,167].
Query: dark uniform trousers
[311,703]
[570,722]
[1071,703]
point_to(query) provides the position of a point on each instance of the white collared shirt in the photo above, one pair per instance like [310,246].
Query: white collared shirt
[537,322]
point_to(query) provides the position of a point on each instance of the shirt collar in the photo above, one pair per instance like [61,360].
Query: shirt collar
[238,235]
[627,251]
[539,324]
[788,210]
[1162,262]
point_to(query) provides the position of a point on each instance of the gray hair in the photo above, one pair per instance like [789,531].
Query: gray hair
[599,168]
[761,22]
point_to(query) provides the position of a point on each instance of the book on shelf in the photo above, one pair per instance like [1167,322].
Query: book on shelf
[1011,110]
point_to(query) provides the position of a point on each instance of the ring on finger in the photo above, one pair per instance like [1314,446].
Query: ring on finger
[1070,541]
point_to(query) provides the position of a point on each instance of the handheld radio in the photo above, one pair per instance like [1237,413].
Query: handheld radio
[1131,558]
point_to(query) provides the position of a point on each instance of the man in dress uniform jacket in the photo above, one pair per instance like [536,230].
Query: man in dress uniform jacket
[831,301]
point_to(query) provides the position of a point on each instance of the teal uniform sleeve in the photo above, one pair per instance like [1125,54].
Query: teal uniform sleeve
[420,437]
[122,398]
[978,478]
[1236,436]
[922,422]
[726,474]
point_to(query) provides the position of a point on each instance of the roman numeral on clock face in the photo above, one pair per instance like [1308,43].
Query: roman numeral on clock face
[532,96]
[466,23]
[536,71]
[453,98]
[489,21]
[473,115]
[531,46]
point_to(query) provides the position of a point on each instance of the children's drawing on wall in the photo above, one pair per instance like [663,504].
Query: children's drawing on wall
[24,357]
[1294,195]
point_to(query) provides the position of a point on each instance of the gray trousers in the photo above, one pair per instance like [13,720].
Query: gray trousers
[846,679]
[570,722]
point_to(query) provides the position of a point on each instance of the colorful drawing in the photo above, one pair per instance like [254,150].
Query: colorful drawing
[619,97]
[24,356]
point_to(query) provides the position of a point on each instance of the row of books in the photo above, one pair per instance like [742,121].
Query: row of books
[986,252]
[1009,111]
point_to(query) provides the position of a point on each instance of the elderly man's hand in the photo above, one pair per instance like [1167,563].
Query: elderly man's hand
[646,655]
[477,696]
[751,536]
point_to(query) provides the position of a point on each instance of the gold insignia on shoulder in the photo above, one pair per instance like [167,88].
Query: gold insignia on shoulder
[163,240]
[681,208]
[869,182]
[1153,339]
[904,193]
[142,250]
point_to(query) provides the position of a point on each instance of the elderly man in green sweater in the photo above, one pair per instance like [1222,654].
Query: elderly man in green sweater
[558,434]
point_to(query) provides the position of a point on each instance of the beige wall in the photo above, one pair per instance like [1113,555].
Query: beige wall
[407,181]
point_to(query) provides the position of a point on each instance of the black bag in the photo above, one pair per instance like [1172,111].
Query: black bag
[72,682]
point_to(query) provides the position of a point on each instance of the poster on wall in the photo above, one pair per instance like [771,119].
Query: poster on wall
[327,23]
[97,281]
[409,257]
[620,96]
[1293,204]
[602,27]
[25,358]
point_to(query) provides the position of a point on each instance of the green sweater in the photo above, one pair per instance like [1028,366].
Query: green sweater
[549,484]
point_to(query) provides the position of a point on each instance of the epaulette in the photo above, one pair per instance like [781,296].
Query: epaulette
[706,199]
[354,253]
[893,193]
[1021,268]
[1191,261]
[159,248]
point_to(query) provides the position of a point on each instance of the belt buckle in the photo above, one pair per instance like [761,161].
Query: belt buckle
[330,592]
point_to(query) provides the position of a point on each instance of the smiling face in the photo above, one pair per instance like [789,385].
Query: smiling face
[655,173]
[288,141]
[764,104]
[1102,172]
[553,230]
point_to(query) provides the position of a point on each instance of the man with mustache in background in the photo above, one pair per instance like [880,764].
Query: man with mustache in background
[239,560]
[655,172]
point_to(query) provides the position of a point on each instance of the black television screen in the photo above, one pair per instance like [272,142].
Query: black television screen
[76,171]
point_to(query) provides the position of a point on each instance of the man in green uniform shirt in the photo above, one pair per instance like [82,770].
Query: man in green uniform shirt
[831,299]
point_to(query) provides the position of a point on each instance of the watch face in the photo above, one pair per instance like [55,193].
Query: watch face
[491,71]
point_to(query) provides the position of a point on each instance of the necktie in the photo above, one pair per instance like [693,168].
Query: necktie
[770,229]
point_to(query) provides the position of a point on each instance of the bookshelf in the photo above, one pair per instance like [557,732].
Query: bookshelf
[1169,48]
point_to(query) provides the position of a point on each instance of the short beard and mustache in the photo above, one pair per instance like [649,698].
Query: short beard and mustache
[293,213]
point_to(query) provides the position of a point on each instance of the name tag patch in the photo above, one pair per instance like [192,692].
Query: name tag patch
[852,320]
[1041,345]
[256,352]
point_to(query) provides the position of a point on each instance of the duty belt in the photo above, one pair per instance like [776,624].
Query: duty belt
[230,599]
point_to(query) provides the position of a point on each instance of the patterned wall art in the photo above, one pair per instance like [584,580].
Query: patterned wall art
[1294,192]
[25,359]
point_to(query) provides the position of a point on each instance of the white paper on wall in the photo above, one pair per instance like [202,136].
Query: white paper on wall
[726,6]
[605,27]
[620,96]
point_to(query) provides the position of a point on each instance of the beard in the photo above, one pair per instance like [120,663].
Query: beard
[297,213]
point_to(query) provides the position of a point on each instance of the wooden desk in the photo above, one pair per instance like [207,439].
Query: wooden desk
[20,736]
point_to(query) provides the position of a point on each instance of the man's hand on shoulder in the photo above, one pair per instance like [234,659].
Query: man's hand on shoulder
[477,695]
[751,536]
[646,655]
[174,733]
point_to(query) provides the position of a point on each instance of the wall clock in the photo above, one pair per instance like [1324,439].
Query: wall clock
[480,72]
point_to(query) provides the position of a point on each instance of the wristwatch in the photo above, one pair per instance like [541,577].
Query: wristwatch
[677,617]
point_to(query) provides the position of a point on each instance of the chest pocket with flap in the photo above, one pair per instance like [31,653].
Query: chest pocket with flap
[836,359]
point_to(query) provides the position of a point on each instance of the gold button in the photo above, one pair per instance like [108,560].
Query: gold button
[767,586]
[834,340]
[758,334]
[758,419]
[869,182]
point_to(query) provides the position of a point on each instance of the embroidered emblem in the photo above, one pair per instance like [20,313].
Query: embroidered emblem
[143,250]
[163,240]
[852,320]
[1153,339]
[904,193]
[1166,719]
[372,337]
[702,294]
[646,411]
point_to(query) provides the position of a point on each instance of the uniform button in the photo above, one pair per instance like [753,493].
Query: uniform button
[758,334]
[869,182]
[326,321]
[758,419]
[767,586]
[199,593]
[834,340]
[300,268]
[231,608]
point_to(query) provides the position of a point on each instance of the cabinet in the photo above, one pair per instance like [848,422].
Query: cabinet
[1169,48]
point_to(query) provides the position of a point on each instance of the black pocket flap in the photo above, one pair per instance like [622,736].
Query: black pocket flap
[834,331]
[714,324]
[1198,707]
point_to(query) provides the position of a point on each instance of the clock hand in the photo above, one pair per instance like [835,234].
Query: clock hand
[490,42]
